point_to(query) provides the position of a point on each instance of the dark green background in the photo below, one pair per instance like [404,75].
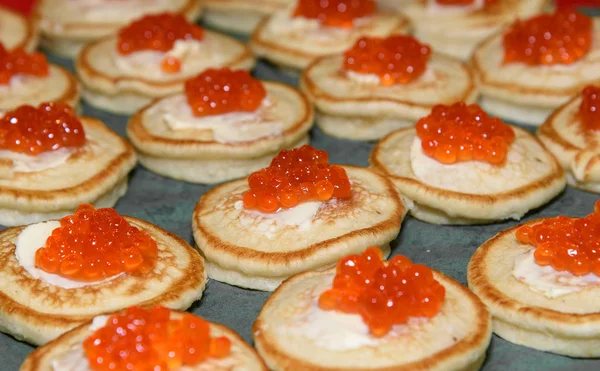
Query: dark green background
[169,204]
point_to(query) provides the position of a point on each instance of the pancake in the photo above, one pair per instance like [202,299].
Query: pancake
[95,173]
[288,339]
[16,31]
[253,250]
[577,152]
[226,151]
[469,192]
[394,5]
[35,311]
[567,325]
[456,32]
[59,86]
[67,26]
[108,87]
[69,346]
[349,108]
[529,94]
[295,42]
[239,16]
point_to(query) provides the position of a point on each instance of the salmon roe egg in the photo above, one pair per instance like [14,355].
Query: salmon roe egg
[398,59]
[335,13]
[462,132]
[295,176]
[566,244]
[151,340]
[19,62]
[562,37]
[220,91]
[589,109]
[94,244]
[48,127]
[384,294]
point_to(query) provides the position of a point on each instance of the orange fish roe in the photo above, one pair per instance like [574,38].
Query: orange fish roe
[335,13]
[296,176]
[219,91]
[158,32]
[48,127]
[566,244]
[462,132]
[559,38]
[398,59]
[384,294]
[589,109]
[18,62]
[95,244]
[150,340]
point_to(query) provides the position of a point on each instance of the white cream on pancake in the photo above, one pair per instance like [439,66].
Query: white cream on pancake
[31,239]
[226,128]
[22,163]
[477,177]
[547,280]
[301,216]
[434,8]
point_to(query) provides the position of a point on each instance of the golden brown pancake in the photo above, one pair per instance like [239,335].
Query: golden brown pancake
[250,250]
[239,16]
[38,312]
[567,325]
[16,31]
[455,339]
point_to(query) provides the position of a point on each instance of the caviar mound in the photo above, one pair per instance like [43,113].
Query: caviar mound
[296,176]
[398,59]
[566,244]
[157,32]
[335,13]
[94,244]
[589,109]
[383,294]
[19,62]
[462,132]
[220,91]
[563,37]
[150,340]
[48,127]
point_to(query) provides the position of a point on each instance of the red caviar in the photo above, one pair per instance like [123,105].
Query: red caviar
[158,32]
[562,37]
[566,244]
[219,91]
[335,13]
[384,294]
[398,59]
[150,340]
[48,127]
[19,62]
[94,244]
[462,132]
[296,176]
[589,109]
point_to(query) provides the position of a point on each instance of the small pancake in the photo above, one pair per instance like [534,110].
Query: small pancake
[16,31]
[59,86]
[454,202]
[529,94]
[295,42]
[568,324]
[455,339]
[577,152]
[368,111]
[107,87]
[248,250]
[456,32]
[37,312]
[195,155]
[67,26]
[96,174]
[239,16]
[242,356]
